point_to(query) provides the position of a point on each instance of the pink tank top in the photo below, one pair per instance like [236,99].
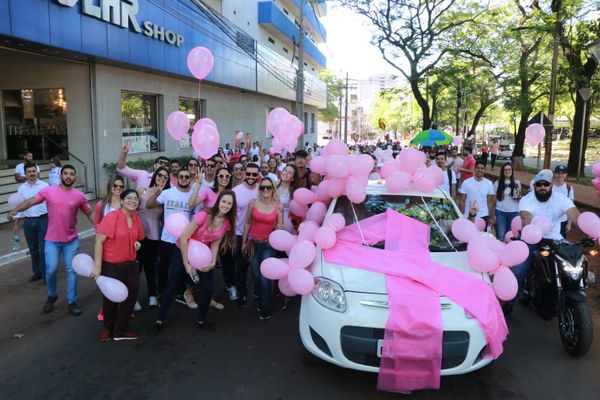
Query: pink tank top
[262,224]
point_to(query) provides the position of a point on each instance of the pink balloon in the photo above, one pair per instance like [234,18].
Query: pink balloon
[481,259]
[355,190]
[424,180]
[15,199]
[531,234]
[495,245]
[516,225]
[293,129]
[301,281]
[534,134]
[337,167]
[325,237]
[178,124]
[409,159]
[277,145]
[277,121]
[336,147]
[596,183]
[336,221]
[323,191]
[302,254]
[282,240]
[316,212]
[464,230]
[175,223]
[239,135]
[361,165]
[543,223]
[596,168]
[206,121]
[437,173]
[200,62]
[304,196]
[389,168]
[273,268]
[589,223]
[298,208]
[199,254]
[83,264]
[205,140]
[112,289]
[457,141]
[480,224]
[398,181]
[285,288]
[508,237]
[318,164]
[516,252]
[335,187]
[306,231]
[505,284]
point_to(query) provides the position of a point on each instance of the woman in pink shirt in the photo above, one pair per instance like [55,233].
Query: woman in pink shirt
[214,228]
[264,215]
[112,200]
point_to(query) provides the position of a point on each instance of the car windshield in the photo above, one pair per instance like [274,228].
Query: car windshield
[417,207]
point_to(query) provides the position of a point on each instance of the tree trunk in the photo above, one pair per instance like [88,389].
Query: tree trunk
[423,104]
[576,137]
[518,153]
[477,118]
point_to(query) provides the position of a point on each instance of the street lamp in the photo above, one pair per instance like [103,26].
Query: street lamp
[594,50]
[585,94]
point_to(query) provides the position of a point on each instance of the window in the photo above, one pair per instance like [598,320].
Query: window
[194,112]
[305,122]
[285,50]
[139,116]
[271,40]
[36,121]
[286,12]
[312,122]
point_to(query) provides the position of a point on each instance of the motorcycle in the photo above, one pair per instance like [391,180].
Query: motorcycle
[556,285]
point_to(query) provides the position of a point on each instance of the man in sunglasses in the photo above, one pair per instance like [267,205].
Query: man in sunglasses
[210,168]
[141,177]
[244,193]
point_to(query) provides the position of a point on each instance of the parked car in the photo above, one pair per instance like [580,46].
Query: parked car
[505,152]
[343,320]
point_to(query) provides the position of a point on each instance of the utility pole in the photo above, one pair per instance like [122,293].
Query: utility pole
[300,72]
[339,131]
[346,113]
[556,7]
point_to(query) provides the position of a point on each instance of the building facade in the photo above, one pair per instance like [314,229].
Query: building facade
[78,78]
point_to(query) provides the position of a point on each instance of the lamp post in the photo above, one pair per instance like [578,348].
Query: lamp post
[585,94]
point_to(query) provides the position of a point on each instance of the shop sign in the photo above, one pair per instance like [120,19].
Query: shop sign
[123,13]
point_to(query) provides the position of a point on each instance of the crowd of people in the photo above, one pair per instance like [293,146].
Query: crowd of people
[231,203]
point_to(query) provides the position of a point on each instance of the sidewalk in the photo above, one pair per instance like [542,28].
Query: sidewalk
[585,196]
[7,255]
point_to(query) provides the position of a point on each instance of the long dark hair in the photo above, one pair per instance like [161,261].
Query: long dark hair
[153,180]
[502,183]
[295,183]
[229,237]
[215,187]
[107,199]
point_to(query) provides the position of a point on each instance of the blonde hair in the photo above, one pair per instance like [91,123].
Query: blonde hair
[274,194]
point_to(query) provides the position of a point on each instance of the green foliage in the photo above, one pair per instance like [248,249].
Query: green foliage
[141,163]
[334,90]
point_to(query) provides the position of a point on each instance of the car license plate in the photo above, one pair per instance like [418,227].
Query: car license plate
[379,347]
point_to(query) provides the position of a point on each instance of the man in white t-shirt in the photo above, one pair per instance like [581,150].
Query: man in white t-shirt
[560,185]
[20,175]
[481,191]
[264,172]
[455,162]
[449,184]
[244,193]
[254,151]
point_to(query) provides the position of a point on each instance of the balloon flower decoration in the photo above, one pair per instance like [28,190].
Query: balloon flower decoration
[409,169]
[285,128]
[111,288]
[589,223]
[534,134]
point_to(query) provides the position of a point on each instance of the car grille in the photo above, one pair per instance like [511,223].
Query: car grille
[359,345]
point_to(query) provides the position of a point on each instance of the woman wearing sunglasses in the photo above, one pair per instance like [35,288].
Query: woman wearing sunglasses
[152,223]
[265,214]
[112,201]
[285,189]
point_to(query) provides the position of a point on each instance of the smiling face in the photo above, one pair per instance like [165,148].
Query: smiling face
[507,169]
[225,204]
[117,187]
[238,171]
[251,175]
[223,177]
[31,174]
[131,201]
[479,171]
[288,174]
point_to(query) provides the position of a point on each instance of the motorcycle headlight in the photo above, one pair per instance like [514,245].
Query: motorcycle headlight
[329,294]
[574,272]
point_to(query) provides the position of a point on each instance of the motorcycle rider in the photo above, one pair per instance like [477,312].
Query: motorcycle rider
[542,201]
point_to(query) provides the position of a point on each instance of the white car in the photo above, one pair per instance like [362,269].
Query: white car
[505,152]
[343,320]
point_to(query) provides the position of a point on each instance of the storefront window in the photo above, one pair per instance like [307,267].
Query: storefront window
[36,121]
[140,121]
[194,112]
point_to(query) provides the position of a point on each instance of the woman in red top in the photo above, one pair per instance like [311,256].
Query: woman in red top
[215,228]
[264,215]
[117,240]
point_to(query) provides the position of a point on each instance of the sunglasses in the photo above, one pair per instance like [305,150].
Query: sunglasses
[254,174]
[221,176]
[164,176]
[210,165]
[266,188]
[118,186]
[543,184]
[184,176]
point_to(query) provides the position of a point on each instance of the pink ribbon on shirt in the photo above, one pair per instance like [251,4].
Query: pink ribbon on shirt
[412,348]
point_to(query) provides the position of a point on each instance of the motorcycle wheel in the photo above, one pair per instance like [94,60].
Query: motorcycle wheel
[576,328]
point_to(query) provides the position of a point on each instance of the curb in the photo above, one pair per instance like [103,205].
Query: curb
[21,254]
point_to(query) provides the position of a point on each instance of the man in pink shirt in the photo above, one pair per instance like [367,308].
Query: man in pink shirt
[62,202]
[468,168]
[141,177]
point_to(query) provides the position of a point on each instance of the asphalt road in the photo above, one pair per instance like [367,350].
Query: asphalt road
[60,357]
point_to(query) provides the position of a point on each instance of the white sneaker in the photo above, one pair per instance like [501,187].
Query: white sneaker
[152,301]
[137,307]
[233,295]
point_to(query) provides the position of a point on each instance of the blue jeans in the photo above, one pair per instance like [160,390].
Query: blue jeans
[262,285]
[35,230]
[521,270]
[503,220]
[53,250]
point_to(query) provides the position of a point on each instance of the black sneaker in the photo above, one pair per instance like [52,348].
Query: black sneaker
[49,304]
[157,327]
[35,278]
[241,301]
[206,326]
[74,309]
[179,299]
[264,315]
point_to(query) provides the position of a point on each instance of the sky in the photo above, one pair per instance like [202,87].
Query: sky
[348,46]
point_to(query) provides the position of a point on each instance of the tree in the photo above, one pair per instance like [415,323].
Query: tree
[415,31]
[334,90]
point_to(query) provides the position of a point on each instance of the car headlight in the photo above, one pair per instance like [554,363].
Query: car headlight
[329,294]
[572,271]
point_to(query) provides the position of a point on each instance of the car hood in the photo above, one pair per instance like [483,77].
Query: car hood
[359,280]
